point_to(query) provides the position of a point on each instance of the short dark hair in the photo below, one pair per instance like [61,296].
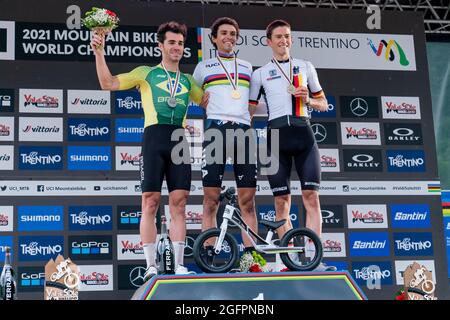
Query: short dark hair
[275,24]
[224,20]
[171,26]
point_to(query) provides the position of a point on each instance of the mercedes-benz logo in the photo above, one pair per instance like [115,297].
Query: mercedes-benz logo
[188,247]
[359,107]
[320,132]
[137,276]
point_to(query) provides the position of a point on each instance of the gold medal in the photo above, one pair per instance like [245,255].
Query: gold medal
[235,94]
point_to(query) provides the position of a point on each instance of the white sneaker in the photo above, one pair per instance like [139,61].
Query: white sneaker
[149,273]
[180,269]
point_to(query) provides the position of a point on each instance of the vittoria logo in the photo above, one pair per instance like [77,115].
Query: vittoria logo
[88,101]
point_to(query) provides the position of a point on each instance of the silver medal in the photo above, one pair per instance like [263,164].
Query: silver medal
[172,102]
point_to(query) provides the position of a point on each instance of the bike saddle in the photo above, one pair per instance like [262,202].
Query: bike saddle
[272,225]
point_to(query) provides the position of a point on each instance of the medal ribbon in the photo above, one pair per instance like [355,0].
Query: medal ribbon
[172,88]
[291,77]
[233,82]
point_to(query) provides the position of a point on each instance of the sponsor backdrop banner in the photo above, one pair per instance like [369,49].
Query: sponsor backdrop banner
[69,151]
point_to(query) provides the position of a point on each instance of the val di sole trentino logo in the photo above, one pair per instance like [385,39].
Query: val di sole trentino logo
[388,48]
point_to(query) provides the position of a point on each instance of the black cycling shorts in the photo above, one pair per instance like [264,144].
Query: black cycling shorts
[156,161]
[295,143]
[244,166]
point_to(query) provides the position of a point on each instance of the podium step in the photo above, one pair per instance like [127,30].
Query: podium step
[252,286]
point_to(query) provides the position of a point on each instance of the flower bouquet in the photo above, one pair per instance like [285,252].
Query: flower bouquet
[100,21]
[253,262]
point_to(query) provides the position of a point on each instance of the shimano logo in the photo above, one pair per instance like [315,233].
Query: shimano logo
[410,216]
[83,219]
[83,130]
[40,218]
[129,103]
[131,130]
[366,274]
[34,158]
[407,245]
[89,158]
[375,244]
[400,161]
[33,249]
[89,101]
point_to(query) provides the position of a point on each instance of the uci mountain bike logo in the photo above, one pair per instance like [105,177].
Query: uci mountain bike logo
[389,52]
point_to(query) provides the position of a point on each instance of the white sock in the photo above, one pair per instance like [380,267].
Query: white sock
[178,247]
[150,253]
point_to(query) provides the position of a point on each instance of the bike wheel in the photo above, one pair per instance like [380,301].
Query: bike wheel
[312,254]
[207,259]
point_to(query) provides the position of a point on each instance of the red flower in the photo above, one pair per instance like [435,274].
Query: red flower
[111,13]
[255,268]
[401,296]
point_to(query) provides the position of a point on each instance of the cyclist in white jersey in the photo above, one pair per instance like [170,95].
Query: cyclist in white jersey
[227,109]
[286,84]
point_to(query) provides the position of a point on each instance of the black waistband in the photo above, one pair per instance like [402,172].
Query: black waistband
[287,121]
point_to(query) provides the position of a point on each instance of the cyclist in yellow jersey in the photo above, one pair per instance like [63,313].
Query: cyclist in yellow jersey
[165,95]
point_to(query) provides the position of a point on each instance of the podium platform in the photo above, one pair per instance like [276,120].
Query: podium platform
[252,286]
